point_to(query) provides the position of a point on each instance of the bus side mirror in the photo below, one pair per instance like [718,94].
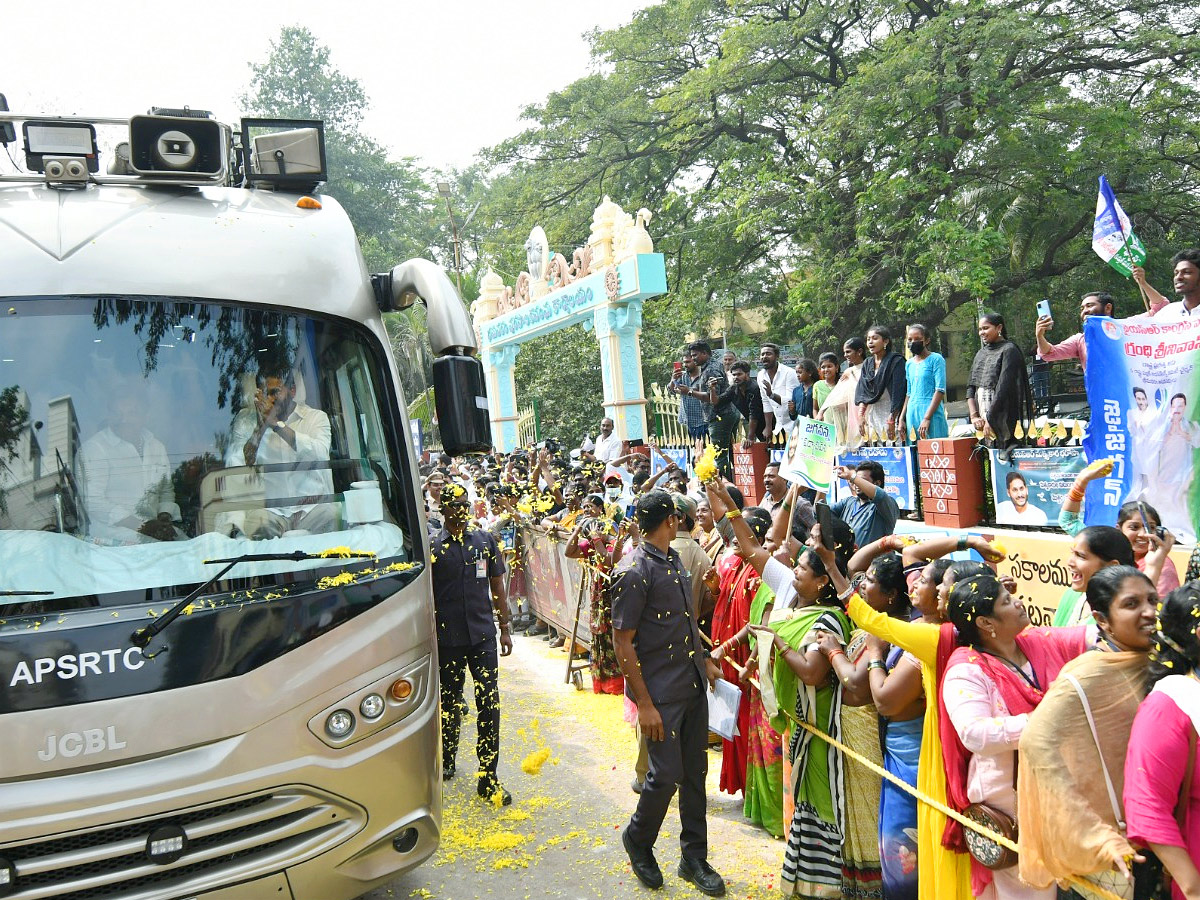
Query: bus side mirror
[460,399]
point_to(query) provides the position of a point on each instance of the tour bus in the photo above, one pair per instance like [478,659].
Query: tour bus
[218,669]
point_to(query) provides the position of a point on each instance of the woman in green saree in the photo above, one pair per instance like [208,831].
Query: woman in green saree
[796,677]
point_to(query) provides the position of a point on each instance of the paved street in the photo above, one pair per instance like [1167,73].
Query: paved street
[561,836]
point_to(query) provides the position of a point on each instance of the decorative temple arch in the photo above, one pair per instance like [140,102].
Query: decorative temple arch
[603,287]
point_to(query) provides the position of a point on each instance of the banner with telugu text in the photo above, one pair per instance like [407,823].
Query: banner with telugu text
[1143,389]
[809,455]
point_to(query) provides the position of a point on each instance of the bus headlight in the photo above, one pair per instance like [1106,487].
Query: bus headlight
[339,724]
[371,706]
[376,706]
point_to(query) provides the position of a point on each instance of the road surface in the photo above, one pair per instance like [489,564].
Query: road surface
[562,835]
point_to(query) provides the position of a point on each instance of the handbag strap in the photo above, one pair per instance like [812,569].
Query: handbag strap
[1112,793]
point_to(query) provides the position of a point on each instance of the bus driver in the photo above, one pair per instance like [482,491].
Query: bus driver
[278,429]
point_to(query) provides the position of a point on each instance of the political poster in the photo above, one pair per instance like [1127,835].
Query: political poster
[1144,391]
[899,464]
[660,457]
[1030,488]
[809,454]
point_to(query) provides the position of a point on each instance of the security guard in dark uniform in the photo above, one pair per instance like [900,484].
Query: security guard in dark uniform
[468,584]
[665,667]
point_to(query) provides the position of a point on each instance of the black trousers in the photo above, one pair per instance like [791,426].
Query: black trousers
[484,662]
[679,762]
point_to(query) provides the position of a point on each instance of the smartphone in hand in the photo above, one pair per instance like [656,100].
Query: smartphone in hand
[1043,309]
[825,520]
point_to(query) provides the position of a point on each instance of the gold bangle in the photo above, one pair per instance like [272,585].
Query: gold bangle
[733,513]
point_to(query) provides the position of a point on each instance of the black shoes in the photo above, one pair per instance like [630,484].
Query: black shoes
[643,863]
[447,773]
[488,789]
[702,875]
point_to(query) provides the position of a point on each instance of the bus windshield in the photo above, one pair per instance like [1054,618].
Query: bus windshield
[141,436]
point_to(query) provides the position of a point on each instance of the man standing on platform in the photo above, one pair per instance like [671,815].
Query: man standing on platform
[721,416]
[468,584]
[1094,303]
[744,394]
[665,667]
[777,383]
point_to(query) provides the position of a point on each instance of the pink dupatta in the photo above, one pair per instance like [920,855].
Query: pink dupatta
[1048,650]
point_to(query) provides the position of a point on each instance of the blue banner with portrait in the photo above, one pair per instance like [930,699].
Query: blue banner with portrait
[1030,488]
[1142,384]
[899,468]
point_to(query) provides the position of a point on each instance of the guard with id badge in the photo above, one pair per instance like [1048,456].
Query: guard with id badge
[467,566]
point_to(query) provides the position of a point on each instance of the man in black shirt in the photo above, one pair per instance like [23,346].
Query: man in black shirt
[665,667]
[468,583]
[744,394]
[722,417]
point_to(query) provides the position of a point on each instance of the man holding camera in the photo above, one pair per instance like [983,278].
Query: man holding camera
[658,645]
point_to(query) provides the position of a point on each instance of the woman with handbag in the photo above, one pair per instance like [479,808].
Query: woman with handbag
[1073,749]
[1162,796]
[992,682]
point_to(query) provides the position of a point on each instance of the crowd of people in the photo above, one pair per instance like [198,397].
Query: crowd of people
[907,657]
[874,390]
[864,660]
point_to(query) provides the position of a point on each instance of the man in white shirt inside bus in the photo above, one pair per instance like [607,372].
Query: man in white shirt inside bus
[278,429]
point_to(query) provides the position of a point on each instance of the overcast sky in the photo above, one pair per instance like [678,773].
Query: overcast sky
[445,77]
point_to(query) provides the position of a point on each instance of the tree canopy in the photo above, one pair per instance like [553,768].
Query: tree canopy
[839,162]
[855,160]
[391,202]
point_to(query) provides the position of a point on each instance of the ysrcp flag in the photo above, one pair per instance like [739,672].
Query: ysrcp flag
[1143,386]
[1112,233]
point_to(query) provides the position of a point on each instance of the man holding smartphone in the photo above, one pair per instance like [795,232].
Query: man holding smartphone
[691,413]
[1094,303]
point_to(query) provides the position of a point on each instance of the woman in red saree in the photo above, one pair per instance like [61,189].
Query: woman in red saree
[599,554]
[738,584]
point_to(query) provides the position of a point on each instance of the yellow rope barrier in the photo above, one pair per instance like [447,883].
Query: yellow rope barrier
[923,798]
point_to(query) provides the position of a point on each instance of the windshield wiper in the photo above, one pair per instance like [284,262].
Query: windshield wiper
[143,636]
